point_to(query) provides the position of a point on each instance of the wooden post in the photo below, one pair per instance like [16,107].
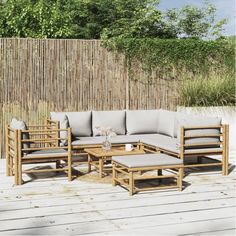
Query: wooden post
[131,183]
[47,135]
[225,153]
[16,156]
[89,163]
[180,179]
[101,167]
[69,156]
[19,157]
[182,133]
[7,152]
[114,174]
[57,134]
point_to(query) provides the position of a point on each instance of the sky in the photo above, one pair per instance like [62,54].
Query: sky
[225,9]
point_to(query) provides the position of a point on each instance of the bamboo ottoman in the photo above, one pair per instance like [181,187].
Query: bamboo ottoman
[125,170]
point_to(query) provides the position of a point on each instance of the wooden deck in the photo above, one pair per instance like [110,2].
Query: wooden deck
[58,207]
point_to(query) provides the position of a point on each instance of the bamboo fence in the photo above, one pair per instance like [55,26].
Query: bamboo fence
[42,75]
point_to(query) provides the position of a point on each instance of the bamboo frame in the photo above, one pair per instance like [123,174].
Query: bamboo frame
[128,179]
[184,151]
[16,158]
[97,157]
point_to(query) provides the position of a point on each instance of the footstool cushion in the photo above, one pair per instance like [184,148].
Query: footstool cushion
[124,167]
[147,160]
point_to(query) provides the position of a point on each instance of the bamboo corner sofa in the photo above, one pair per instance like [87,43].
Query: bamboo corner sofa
[67,134]
[156,131]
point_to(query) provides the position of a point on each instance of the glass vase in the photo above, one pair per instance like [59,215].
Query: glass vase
[106,145]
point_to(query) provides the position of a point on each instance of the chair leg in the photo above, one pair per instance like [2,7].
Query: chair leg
[19,170]
[19,177]
[69,167]
[10,166]
[16,174]
[180,179]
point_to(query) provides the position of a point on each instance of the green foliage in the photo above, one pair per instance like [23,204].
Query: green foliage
[192,55]
[191,21]
[137,19]
[94,19]
[212,91]
[88,19]
[204,69]
[39,19]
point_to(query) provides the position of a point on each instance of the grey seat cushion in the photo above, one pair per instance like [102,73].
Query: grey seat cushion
[80,122]
[141,121]
[162,141]
[204,150]
[112,119]
[172,144]
[50,153]
[157,140]
[80,141]
[147,160]
[98,140]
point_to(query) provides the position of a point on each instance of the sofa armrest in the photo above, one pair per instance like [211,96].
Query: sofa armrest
[44,139]
[203,137]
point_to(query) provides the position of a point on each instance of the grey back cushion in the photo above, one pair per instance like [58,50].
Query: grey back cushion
[166,122]
[190,121]
[112,119]
[141,121]
[80,122]
[20,125]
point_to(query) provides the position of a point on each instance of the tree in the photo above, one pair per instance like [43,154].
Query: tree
[89,19]
[93,19]
[37,18]
[191,21]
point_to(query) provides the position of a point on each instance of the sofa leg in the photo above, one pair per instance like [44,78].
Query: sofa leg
[159,173]
[58,163]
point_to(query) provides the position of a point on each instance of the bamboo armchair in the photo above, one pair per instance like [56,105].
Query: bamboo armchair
[44,148]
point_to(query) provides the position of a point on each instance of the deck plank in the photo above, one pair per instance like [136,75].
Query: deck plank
[55,206]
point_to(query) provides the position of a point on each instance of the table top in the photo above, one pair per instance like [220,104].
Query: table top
[115,151]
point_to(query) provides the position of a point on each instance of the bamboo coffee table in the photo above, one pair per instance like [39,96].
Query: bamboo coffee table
[98,157]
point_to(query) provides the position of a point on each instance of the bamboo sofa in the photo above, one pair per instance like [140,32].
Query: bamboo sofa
[156,131]
[36,145]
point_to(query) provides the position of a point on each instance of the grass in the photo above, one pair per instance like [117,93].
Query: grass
[216,90]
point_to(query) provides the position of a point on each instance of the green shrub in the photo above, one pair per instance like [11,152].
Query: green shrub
[214,91]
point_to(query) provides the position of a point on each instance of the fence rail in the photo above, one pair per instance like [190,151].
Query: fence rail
[42,75]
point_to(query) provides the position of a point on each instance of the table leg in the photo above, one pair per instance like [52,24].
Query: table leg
[114,174]
[100,167]
[89,163]
[131,183]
